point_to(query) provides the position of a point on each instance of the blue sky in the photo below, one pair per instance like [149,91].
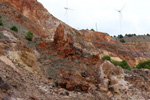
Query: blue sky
[86,13]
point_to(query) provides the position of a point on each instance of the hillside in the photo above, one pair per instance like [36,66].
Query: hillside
[60,62]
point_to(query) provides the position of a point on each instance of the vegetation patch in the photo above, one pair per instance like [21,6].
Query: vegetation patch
[106,58]
[122,64]
[145,64]
[14,28]
[122,41]
[29,36]
[130,35]
[92,29]
[120,36]
[51,73]
[52,56]
[1,23]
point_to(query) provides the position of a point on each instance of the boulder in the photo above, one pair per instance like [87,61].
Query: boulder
[70,86]
[59,36]
[112,77]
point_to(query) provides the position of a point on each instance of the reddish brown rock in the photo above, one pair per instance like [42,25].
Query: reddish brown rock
[96,36]
[59,34]
[43,45]
[83,87]
[44,22]
[59,38]
[70,86]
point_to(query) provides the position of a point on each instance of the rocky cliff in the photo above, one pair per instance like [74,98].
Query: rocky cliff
[63,63]
[33,14]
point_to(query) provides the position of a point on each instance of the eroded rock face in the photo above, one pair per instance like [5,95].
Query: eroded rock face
[59,37]
[39,21]
[67,57]
[112,78]
[24,57]
[45,23]
[94,36]
[28,58]
[133,53]
[72,80]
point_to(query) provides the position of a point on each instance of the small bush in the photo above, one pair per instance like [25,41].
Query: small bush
[92,29]
[106,58]
[115,63]
[120,36]
[0,17]
[122,40]
[145,64]
[29,36]
[14,28]
[1,23]
[148,34]
[122,64]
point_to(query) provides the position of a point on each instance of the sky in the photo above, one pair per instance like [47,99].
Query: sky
[87,14]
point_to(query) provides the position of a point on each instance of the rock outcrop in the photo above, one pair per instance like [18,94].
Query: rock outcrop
[64,63]
[43,21]
[112,78]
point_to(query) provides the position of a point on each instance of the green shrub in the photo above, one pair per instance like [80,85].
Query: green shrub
[148,34]
[130,35]
[115,63]
[1,23]
[145,64]
[120,36]
[92,29]
[122,40]
[106,58]
[14,28]
[29,36]
[122,64]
